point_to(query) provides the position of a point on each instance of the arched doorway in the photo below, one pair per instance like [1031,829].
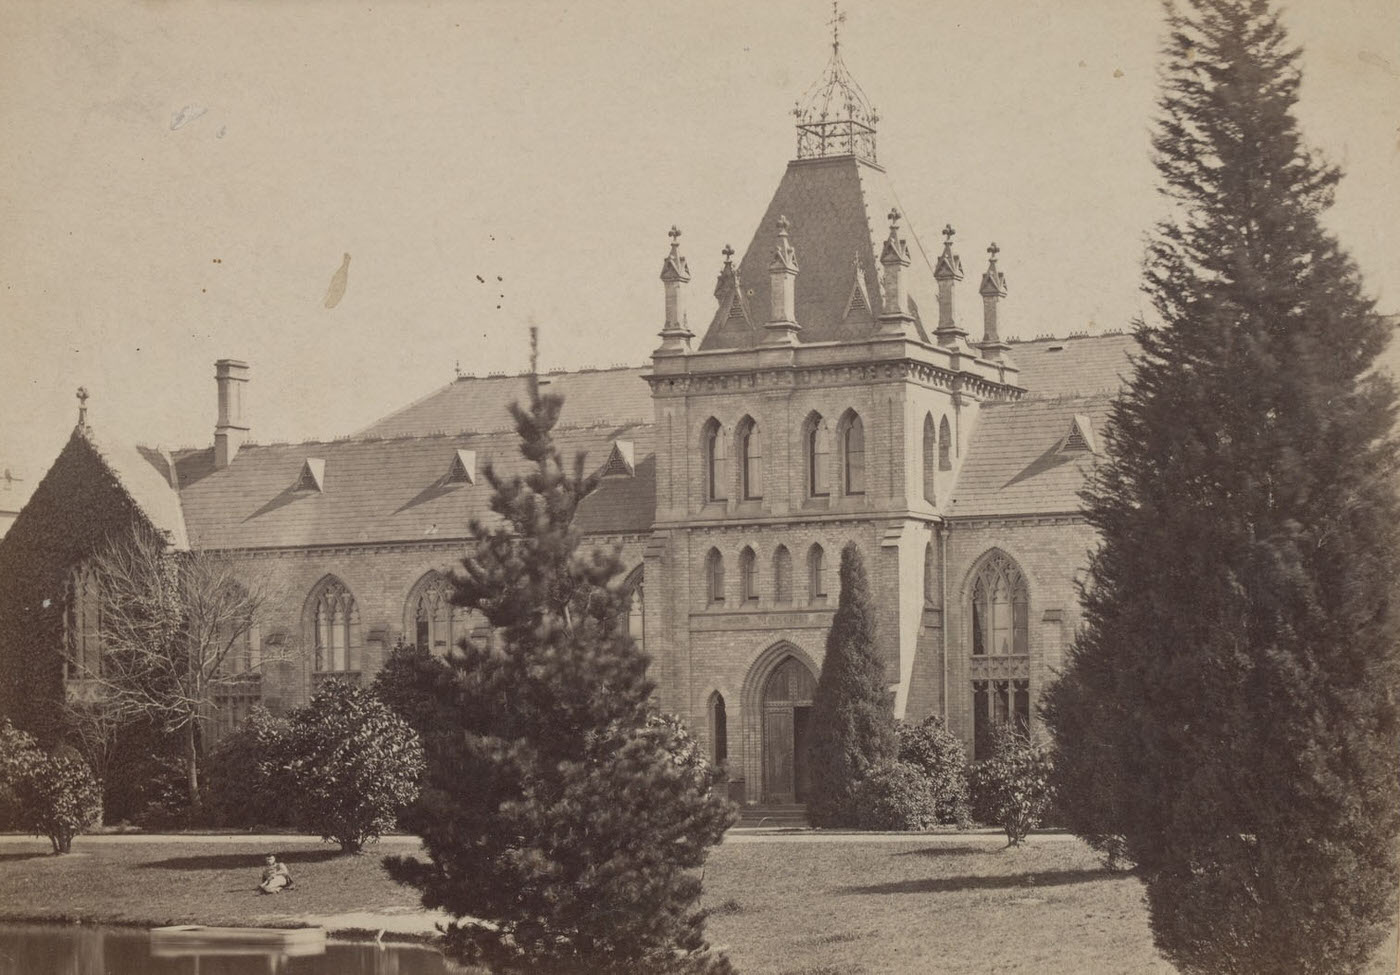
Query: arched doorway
[787,705]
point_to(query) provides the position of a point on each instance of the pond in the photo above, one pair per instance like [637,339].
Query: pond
[46,949]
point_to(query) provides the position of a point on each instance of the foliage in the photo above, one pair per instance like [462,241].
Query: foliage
[940,755]
[239,790]
[174,629]
[16,748]
[57,796]
[408,682]
[1235,684]
[1011,789]
[852,724]
[347,765]
[559,809]
[895,796]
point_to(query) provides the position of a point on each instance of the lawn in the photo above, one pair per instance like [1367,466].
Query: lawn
[851,907]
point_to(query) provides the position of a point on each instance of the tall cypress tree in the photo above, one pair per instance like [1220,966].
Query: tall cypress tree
[560,808]
[852,725]
[1228,717]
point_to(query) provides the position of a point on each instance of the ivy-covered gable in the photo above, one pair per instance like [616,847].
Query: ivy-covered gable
[79,504]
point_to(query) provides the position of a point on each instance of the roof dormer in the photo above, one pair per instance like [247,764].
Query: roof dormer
[621,460]
[312,476]
[463,467]
[1080,438]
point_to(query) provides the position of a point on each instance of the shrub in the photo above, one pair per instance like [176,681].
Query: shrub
[239,792]
[1012,788]
[349,764]
[57,797]
[407,683]
[895,796]
[940,754]
[16,748]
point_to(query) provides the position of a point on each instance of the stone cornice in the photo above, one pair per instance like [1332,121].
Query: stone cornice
[389,547]
[922,374]
[954,522]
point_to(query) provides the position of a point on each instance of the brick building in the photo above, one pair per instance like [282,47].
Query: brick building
[836,391]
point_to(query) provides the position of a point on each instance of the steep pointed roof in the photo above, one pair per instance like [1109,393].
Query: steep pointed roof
[836,210]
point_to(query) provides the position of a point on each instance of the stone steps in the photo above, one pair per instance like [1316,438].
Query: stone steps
[786,814]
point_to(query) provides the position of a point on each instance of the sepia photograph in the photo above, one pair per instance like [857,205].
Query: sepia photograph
[819,487]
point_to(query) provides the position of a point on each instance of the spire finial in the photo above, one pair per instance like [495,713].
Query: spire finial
[783,225]
[837,19]
[82,406]
[993,250]
[894,222]
[675,234]
[728,253]
[948,233]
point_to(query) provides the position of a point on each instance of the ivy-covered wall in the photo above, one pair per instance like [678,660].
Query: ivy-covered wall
[76,507]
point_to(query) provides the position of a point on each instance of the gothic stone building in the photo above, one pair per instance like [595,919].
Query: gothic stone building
[836,391]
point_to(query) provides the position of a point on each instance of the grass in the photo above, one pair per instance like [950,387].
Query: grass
[779,908]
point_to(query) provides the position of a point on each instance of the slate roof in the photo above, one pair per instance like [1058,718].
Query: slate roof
[477,404]
[1013,465]
[1081,365]
[837,208]
[390,490]
[147,484]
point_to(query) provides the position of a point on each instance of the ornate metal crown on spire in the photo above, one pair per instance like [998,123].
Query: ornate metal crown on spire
[834,116]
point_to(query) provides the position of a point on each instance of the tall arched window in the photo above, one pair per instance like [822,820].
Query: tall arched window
[930,458]
[83,625]
[716,453]
[782,575]
[945,445]
[852,454]
[816,573]
[751,457]
[817,447]
[1000,608]
[636,607]
[748,576]
[436,622]
[714,576]
[719,729]
[930,576]
[333,620]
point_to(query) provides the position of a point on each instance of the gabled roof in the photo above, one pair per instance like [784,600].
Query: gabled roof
[147,484]
[392,490]
[1014,464]
[477,404]
[1081,365]
[836,207]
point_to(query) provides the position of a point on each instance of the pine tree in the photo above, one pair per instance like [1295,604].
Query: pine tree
[853,727]
[1227,719]
[560,808]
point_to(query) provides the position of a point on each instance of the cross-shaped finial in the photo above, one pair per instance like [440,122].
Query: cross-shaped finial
[728,252]
[82,405]
[783,225]
[837,19]
[948,233]
[894,220]
[674,233]
[993,250]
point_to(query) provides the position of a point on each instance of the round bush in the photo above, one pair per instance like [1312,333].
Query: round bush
[1012,788]
[57,797]
[895,796]
[940,754]
[238,791]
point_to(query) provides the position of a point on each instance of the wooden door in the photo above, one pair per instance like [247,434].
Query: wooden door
[778,783]
[801,770]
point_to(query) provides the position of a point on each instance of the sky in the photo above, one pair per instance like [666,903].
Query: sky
[181,182]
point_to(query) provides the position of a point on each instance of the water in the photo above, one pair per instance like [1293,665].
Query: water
[46,949]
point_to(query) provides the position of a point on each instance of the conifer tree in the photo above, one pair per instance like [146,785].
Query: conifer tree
[853,727]
[1227,718]
[560,808]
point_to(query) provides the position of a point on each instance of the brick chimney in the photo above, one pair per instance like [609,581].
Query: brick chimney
[231,429]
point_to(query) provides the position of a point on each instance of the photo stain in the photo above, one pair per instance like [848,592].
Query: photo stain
[339,280]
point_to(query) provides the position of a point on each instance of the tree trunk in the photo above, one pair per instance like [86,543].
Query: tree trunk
[192,764]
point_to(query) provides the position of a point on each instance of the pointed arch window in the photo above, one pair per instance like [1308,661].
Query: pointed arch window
[945,445]
[716,453]
[1000,608]
[817,448]
[748,575]
[751,459]
[930,458]
[437,624]
[636,607]
[719,729]
[714,576]
[333,618]
[852,454]
[816,573]
[930,576]
[83,626]
[782,575]
[998,702]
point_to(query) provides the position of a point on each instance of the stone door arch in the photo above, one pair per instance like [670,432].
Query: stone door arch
[780,689]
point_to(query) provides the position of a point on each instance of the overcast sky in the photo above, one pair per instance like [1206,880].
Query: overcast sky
[179,181]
